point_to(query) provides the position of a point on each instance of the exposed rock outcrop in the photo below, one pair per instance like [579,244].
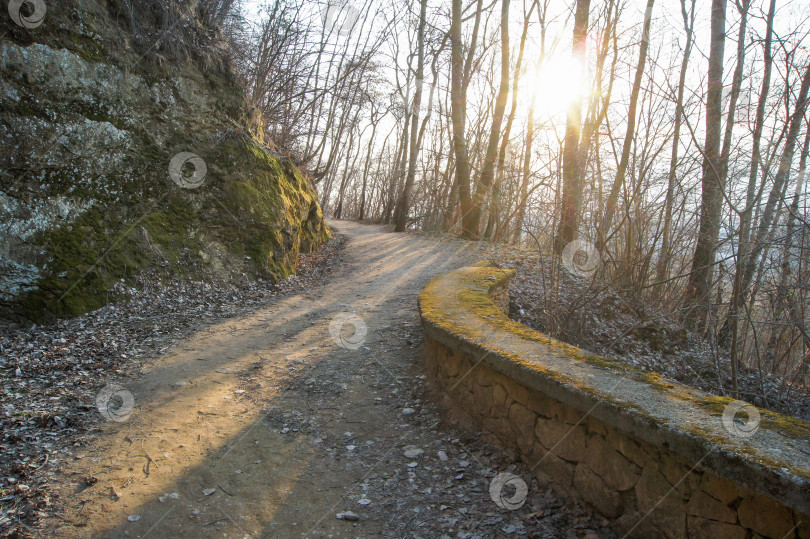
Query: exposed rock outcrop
[98,174]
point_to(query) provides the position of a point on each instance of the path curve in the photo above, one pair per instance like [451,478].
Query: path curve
[262,426]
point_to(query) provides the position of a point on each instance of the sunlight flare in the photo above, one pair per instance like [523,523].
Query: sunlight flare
[559,81]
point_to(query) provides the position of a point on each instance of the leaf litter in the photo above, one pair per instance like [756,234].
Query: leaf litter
[50,374]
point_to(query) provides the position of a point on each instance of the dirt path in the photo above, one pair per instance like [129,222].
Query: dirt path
[263,426]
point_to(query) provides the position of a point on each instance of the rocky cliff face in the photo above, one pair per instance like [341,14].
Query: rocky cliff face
[116,160]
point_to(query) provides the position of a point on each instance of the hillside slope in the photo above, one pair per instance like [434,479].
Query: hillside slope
[123,151]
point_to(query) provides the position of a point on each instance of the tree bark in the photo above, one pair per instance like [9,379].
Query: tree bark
[491,156]
[723,334]
[697,288]
[494,207]
[367,167]
[404,203]
[787,315]
[399,171]
[744,249]
[572,169]
[781,177]
[524,183]
[458,101]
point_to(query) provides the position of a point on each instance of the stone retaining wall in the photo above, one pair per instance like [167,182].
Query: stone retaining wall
[653,476]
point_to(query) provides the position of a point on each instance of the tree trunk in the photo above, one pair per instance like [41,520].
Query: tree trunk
[621,173]
[491,156]
[743,246]
[494,207]
[346,175]
[404,203]
[524,183]
[402,156]
[759,123]
[723,334]
[663,259]
[779,181]
[458,100]
[572,169]
[698,289]
[366,169]
[787,315]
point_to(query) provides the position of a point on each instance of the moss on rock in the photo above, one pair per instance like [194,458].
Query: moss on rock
[118,120]
[262,215]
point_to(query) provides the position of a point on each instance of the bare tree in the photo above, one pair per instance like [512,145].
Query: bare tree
[459,84]
[404,203]
[491,155]
[698,287]
[572,188]
[672,177]
[621,174]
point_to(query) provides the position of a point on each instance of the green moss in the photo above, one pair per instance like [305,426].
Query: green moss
[85,47]
[261,211]
[99,115]
[710,436]
[713,404]
[276,206]
[754,455]
[89,256]
[791,426]
[785,424]
[473,291]
[25,109]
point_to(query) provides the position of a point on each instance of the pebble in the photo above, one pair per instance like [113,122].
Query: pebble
[413,464]
[364,501]
[408,411]
[442,456]
[348,515]
[209,491]
[413,452]
[134,518]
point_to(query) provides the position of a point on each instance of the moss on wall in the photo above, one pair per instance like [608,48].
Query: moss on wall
[472,290]
[466,332]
